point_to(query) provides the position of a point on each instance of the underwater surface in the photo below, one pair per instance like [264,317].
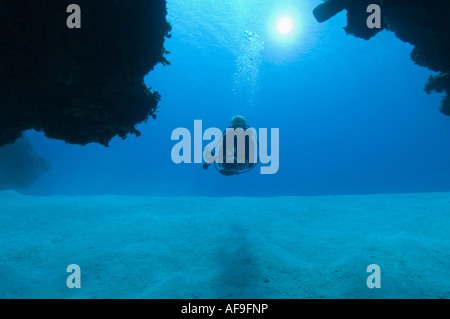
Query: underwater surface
[363,175]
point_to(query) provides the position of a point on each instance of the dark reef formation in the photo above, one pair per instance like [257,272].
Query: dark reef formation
[422,23]
[78,85]
[20,166]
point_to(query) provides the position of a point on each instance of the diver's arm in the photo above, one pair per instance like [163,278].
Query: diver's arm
[206,165]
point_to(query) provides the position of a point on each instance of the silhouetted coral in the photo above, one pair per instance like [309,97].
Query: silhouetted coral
[20,166]
[424,24]
[78,85]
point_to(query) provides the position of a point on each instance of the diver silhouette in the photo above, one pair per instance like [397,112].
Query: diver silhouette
[232,162]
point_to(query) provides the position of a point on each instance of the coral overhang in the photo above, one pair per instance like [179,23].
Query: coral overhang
[79,85]
[422,23]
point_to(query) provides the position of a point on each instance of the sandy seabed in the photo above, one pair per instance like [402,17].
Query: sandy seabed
[234,247]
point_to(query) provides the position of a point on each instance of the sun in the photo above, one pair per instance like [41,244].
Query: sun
[285,25]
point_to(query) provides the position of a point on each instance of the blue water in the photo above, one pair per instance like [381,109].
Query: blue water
[352,114]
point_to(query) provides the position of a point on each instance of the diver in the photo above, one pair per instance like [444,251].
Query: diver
[233,163]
